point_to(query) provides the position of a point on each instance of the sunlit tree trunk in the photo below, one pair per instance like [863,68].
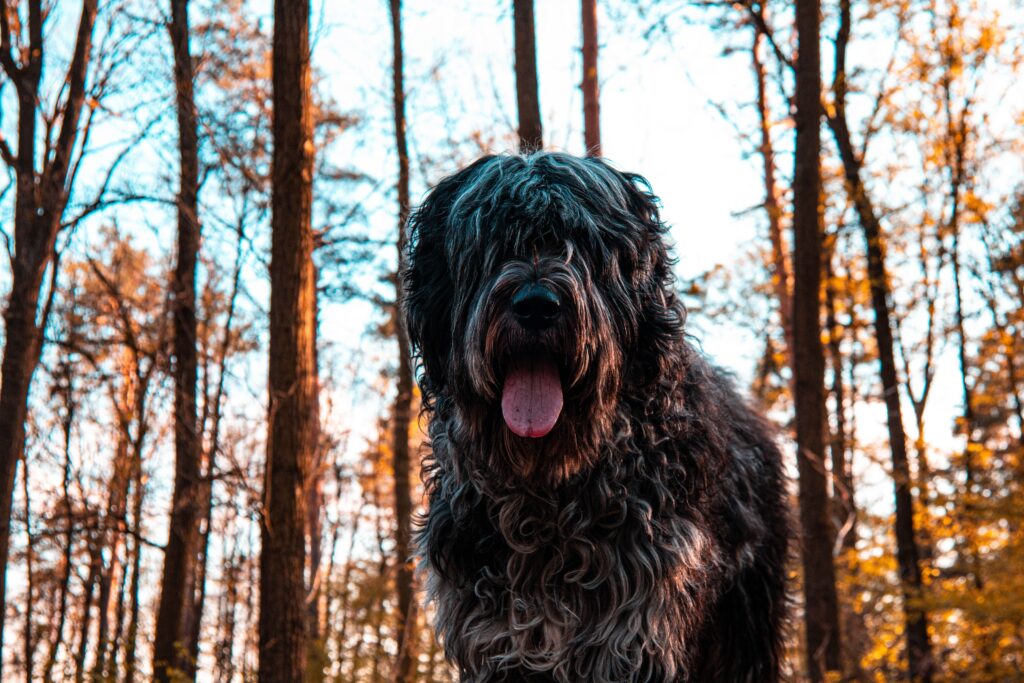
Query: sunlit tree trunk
[531,135]
[590,85]
[821,608]
[315,652]
[292,374]
[405,623]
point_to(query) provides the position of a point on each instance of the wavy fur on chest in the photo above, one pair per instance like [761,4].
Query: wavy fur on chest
[609,577]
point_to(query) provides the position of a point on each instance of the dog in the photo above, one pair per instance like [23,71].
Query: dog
[602,504]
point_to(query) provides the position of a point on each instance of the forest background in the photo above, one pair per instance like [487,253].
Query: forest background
[137,205]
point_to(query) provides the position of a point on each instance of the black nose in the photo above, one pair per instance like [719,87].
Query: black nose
[536,307]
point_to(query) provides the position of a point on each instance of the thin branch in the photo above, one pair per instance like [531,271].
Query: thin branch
[6,154]
[756,13]
[6,58]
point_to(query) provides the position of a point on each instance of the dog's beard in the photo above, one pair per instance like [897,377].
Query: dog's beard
[544,401]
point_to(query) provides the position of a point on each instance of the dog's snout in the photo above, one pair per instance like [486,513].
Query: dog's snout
[536,307]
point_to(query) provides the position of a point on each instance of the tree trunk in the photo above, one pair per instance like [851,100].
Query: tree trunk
[95,568]
[170,645]
[67,423]
[854,630]
[590,85]
[346,578]
[213,409]
[40,199]
[130,666]
[919,654]
[821,610]
[531,135]
[282,621]
[225,657]
[315,652]
[780,266]
[28,635]
[405,622]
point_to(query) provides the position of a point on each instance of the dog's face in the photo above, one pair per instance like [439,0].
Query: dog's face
[534,289]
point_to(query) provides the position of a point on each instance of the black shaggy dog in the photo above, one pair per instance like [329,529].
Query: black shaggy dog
[603,506]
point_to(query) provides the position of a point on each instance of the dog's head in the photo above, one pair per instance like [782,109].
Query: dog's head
[537,290]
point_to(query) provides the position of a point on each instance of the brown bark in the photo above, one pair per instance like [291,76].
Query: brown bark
[919,654]
[821,608]
[531,134]
[170,644]
[40,199]
[282,621]
[405,622]
[590,85]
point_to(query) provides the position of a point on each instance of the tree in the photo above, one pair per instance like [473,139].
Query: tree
[919,653]
[177,585]
[531,135]
[821,607]
[292,373]
[41,196]
[590,86]
[405,669]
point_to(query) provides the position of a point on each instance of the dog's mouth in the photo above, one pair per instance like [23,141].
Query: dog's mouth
[531,398]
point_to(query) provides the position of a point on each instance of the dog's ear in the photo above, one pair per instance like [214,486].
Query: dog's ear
[427,281]
[651,277]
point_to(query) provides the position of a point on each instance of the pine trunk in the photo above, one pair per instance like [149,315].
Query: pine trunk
[405,623]
[821,607]
[531,135]
[590,85]
[170,647]
[40,200]
[292,374]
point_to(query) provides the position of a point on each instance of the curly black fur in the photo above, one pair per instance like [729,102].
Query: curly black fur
[645,537]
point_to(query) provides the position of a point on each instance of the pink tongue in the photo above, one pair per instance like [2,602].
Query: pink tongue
[532,398]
